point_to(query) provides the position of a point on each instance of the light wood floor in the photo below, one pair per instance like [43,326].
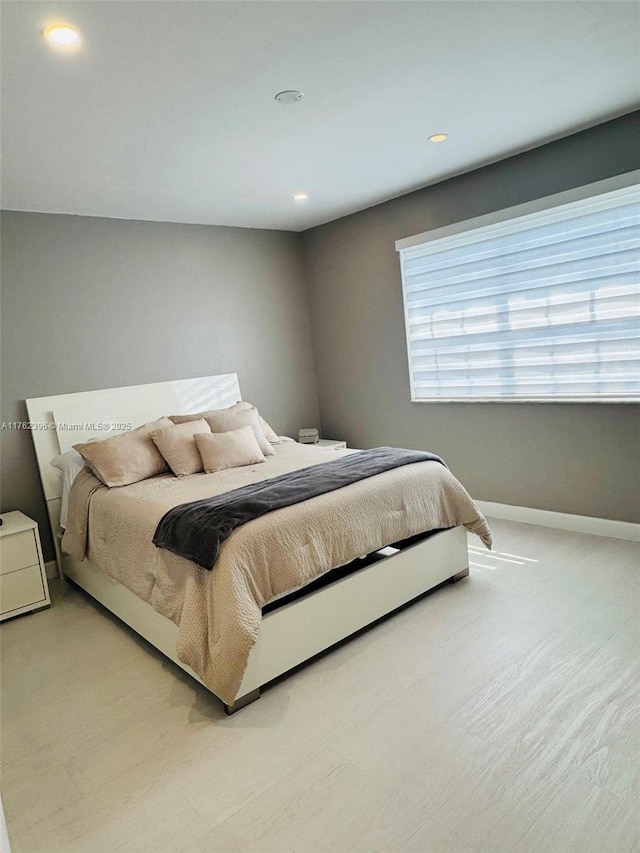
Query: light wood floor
[499,714]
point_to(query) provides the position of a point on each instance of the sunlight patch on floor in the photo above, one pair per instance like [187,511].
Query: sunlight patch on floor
[497,556]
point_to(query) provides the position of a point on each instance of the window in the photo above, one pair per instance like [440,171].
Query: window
[540,302]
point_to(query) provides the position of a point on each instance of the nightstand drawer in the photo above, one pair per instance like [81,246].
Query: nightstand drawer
[17,551]
[21,588]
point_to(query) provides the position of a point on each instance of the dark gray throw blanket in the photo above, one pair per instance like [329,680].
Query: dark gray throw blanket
[196,530]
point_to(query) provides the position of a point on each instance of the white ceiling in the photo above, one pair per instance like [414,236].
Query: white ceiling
[167,111]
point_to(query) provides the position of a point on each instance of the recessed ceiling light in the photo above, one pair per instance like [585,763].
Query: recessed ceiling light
[289,96]
[63,34]
[438,137]
[300,196]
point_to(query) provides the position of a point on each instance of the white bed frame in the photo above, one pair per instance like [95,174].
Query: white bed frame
[317,621]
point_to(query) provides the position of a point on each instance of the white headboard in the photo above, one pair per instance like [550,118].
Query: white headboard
[59,422]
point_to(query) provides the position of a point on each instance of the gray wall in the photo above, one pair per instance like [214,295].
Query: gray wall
[98,303]
[571,458]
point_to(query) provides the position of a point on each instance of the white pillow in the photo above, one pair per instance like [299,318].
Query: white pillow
[70,464]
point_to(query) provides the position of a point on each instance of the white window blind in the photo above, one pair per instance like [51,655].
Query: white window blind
[542,306]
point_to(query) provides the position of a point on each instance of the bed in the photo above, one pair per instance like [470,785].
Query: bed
[278,638]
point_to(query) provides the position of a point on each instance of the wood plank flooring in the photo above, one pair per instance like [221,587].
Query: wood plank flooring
[499,715]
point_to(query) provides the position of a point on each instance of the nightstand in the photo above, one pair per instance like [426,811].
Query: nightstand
[334,445]
[23,581]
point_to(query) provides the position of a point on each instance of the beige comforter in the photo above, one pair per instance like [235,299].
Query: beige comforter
[218,613]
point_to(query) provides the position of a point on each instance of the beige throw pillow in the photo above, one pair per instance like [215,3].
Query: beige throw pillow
[184,419]
[241,406]
[178,446]
[269,433]
[234,419]
[126,458]
[228,449]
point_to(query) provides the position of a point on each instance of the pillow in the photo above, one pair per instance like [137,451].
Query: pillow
[178,446]
[70,464]
[241,406]
[231,449]
[236,418]
[126,458]
[270,435]
[183,419]
[223,420]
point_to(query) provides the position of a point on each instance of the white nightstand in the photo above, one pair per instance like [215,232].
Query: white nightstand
[334,445]
[23,581]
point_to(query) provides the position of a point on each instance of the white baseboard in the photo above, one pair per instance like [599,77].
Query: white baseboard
[563,521]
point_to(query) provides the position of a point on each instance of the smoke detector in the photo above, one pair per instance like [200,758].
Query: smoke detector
[289,96]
